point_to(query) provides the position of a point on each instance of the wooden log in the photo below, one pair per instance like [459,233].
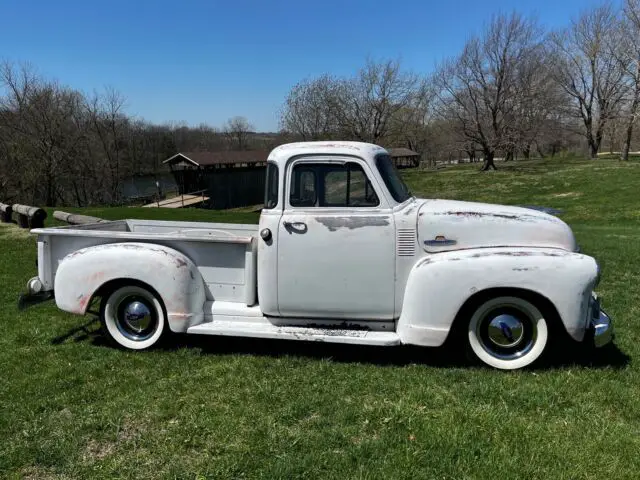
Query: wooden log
[76,219]
[6,212]
[29,217]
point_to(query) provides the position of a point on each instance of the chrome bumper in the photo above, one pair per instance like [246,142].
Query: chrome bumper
[600,325]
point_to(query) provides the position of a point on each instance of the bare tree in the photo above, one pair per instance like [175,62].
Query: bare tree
[46,123]
[409,126]
[484,90]
[369,102]
[309,110]
[588,71]
[109,124]
[627,51]
[237,130]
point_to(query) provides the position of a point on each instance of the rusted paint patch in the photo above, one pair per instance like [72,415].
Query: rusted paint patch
[520,254]
[177,259]
[410,210]
[82,302]
[352,223]
[437,258]
[317,146]
[424,261]
[503,216]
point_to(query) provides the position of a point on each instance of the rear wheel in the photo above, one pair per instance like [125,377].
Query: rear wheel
[133,317]
[507,332]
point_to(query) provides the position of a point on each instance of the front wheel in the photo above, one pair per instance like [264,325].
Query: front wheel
[507,332]
[133,317]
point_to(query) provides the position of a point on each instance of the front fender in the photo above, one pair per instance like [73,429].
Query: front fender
[171,274]
[439,285]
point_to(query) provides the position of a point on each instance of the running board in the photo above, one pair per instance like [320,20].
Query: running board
[314,334]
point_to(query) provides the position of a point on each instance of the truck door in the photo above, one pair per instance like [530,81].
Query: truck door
[336,243]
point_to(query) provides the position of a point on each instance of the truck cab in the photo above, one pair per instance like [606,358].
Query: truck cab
[343,252]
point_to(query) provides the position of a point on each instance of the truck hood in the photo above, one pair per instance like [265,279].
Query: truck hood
[445,225]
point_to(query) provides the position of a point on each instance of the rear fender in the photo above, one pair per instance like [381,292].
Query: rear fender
[439,285]
[173,276]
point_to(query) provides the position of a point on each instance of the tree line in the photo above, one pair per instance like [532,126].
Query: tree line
[60,146]
[515,88]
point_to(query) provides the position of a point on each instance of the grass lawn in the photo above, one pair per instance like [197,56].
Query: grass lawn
[71,407]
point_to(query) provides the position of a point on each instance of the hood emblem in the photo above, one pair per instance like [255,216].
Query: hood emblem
[440,241]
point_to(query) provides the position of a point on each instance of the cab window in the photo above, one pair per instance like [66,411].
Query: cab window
[331,185]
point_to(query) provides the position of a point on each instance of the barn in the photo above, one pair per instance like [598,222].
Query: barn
[230,178]
[404,158]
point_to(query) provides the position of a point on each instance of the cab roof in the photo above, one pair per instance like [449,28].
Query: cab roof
[364,150]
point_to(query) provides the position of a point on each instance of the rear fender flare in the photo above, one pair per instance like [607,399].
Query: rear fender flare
[170,273]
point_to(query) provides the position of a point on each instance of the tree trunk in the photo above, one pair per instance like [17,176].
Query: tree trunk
[627,139]
[594,144]
[612,137]
[627,142]
[472,155]
[488,162]
[526,152]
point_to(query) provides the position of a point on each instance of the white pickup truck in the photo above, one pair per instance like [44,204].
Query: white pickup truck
[343,253]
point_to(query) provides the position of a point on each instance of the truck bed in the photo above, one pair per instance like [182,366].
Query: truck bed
[154,229]
[225,253]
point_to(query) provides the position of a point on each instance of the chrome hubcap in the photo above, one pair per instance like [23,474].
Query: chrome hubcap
[505,330]
[136,320]
[137,316]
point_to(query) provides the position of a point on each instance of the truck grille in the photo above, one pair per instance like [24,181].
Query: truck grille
[406,242]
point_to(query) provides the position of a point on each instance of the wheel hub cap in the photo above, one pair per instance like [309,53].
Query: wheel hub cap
[505,330]
[137,316]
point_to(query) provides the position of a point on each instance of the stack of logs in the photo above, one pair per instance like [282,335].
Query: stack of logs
[34,217]
[27,216]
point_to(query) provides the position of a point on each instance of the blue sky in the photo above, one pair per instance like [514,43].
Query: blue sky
[205,61]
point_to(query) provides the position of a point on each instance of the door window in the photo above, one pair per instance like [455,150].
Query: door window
[329,185]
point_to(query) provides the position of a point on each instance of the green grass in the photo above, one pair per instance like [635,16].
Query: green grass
[71,407]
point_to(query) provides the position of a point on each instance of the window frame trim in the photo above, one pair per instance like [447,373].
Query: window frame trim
[280,190]
[410,197]
[337,160]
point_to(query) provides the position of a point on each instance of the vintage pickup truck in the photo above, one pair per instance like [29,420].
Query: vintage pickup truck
[343,253]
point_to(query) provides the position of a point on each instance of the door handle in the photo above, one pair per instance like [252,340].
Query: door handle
[291,224]
[299,227]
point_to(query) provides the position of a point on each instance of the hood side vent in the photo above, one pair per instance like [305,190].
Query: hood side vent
[406,242]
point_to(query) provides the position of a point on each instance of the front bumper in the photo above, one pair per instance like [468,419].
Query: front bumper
[600,325]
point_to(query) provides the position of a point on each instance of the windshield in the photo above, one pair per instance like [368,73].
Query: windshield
[398,189]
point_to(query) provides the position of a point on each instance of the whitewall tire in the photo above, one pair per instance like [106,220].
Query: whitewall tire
[133,317]
[507,332]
